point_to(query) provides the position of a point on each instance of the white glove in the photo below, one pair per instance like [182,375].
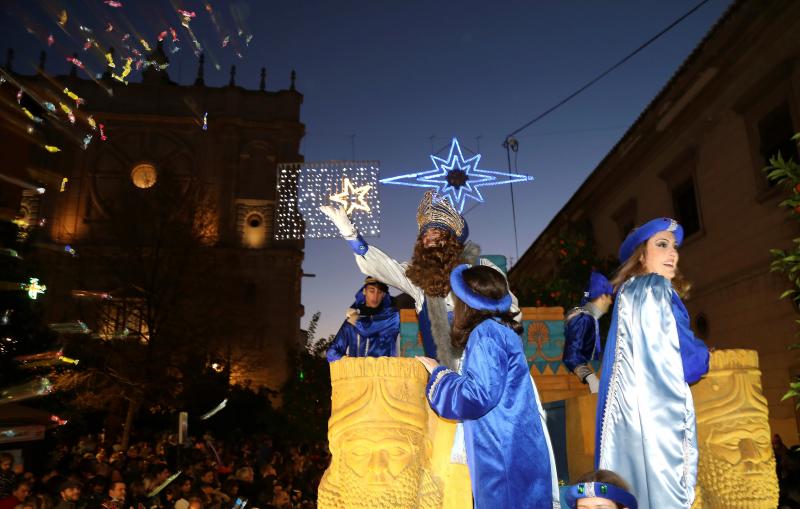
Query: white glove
[594,383]
[339,218]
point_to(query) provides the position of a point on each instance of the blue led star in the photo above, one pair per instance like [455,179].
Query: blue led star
[456,178]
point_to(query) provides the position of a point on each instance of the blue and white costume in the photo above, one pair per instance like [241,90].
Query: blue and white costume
[367,332]
[645,415]
[505,436]
[434,313]
[582,330]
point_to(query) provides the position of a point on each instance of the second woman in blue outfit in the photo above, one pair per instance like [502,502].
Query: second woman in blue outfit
[645,414]
[492,394]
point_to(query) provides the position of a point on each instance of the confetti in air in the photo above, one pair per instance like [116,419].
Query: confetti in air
[74,97]
[214,410]
[77,63]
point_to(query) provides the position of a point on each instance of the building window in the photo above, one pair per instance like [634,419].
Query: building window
[775,131]
[254,220]
[625,217]
[684,202]
[701,326]
[769,111]
[144,175]
[124,319]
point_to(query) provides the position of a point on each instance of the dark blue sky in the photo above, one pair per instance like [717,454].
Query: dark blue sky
[396,73]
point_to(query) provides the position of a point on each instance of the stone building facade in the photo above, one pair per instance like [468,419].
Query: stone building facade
[697,153]
[155,137]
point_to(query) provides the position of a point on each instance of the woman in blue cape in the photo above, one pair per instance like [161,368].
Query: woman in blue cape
[502,433]
[645,414]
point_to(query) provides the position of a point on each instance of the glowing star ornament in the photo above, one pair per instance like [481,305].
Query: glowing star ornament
[456,177]
[352,198]
[304,187]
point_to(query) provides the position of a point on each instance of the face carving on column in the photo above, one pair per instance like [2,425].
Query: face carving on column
[376,434]
[737,466]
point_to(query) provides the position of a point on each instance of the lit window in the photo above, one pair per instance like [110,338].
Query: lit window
[124,319]
[144,175]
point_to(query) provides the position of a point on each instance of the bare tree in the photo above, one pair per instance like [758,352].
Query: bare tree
[150,289]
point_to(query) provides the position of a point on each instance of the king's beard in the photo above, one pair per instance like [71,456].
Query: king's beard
[430,267]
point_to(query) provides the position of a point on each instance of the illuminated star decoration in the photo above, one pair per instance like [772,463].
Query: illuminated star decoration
[457,178]
[351,197]
[306,186]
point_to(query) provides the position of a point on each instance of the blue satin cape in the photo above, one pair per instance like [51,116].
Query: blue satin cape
[581,340]
[645,415]
[507,451]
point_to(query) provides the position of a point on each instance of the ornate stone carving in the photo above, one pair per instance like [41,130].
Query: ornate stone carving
[378,437]
[737,466]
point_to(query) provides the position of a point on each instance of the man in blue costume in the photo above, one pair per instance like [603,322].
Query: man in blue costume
[371,327]
[441,246]
[582,331]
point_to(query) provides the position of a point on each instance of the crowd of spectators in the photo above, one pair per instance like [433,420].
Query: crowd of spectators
[202,474]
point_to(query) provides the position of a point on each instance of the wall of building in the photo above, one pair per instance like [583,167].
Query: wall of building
[709,127]
[233,161]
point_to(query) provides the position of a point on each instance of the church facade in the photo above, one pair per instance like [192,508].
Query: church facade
[204,158]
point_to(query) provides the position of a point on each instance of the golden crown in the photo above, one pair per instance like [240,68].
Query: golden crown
[435,210]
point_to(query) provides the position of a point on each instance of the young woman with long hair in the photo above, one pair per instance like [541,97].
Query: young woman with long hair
[645,415]
[501,433]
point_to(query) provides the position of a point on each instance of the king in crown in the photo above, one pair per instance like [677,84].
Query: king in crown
[441,246]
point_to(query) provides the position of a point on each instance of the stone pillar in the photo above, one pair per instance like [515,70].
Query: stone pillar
[737,465]
[388,448]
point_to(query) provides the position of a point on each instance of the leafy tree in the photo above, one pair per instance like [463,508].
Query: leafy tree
[575,258]
[787,261]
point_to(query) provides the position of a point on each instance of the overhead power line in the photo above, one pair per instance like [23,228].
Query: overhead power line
[607,71]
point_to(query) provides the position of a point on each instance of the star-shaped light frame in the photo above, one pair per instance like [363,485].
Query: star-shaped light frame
[305,186]
[358,200]
[457,178]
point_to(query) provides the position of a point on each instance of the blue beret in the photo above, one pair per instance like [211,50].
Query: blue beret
[647,230]
[600,490]
[598,285]
[476,300]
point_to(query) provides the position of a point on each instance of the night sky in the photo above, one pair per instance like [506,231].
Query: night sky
[394,74]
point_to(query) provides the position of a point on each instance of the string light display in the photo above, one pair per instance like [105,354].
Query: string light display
[457,178]
[304,187]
